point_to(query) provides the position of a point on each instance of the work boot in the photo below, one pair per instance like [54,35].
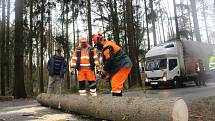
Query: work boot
[93,92]
[83,92]
[117,94]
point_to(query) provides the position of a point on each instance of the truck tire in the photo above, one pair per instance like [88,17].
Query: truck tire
[176,83]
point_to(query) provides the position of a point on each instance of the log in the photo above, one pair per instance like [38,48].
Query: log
[6,98]
[119,108]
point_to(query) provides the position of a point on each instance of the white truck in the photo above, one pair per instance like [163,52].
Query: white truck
[174,62]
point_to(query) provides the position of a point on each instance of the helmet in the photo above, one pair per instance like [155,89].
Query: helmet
[98,38]
[99,33]
[83,38]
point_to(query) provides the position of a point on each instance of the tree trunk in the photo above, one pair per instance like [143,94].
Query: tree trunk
[135,74]
[170,20]
[8,48]
[162,24]
[147,25]
[42,46]
[75,81]
[190,22]
[195,20]
[63,18]
[120,109]
[125,27]
[50,47]
[205,21]
[89,22]
[114,20]
[6,98]
[67,44]
[31,43]
[3,69]
[176,21]
[153,22]
[19,86]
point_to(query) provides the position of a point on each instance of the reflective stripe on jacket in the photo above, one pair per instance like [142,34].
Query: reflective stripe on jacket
[82,58]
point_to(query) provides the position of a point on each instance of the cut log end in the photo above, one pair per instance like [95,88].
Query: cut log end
[180,111]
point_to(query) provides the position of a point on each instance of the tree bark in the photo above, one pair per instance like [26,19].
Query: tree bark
[41,46]
[147,25]
[162,23]
[176,21]
[3,50]
[153,22]
[125,27]
[89,22]
[19,86]
[67,44]
[195,20]
[120,109]
[74,82]
[31,42]
[8,48]
[205,21]
[135,74]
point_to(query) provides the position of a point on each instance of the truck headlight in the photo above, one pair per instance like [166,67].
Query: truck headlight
[165,76]
[147,80]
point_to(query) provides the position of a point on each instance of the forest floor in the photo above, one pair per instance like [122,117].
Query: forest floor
[201,105]
[202,110]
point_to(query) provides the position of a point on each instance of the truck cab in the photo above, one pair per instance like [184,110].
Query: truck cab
[162,65]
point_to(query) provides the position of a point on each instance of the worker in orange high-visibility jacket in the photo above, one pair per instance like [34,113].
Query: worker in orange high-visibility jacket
[85,60]
[117,64]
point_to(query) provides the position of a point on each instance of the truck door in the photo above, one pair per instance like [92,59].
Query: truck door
[173,67]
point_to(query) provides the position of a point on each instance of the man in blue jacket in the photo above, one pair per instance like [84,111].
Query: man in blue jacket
[57,67]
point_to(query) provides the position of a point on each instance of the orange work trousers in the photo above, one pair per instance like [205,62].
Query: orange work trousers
[118,79]
[86,74]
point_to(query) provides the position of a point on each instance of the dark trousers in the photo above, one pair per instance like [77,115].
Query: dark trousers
[82,85]
[201,79]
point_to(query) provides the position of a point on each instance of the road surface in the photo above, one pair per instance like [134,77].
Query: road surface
[189,93]
[30,110]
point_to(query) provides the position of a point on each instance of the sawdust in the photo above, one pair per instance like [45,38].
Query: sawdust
[55,117]
[27,110]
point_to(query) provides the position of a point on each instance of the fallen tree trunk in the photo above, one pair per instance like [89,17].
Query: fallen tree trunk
[119,108]
[6,98]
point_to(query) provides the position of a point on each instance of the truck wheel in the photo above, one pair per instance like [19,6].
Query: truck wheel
[155,87]
[176,83]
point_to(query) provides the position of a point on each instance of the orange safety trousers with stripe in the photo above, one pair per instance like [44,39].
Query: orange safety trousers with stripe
[119,78]
[86,74]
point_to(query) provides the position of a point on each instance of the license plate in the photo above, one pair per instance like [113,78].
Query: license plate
[154,83]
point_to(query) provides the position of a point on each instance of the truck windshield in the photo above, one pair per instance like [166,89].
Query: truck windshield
[156,64]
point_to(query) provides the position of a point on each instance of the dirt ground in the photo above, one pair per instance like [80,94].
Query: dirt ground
[202,110]
[30,110]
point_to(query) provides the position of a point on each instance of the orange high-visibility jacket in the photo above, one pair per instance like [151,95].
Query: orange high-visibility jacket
[85,58]
[114,58]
